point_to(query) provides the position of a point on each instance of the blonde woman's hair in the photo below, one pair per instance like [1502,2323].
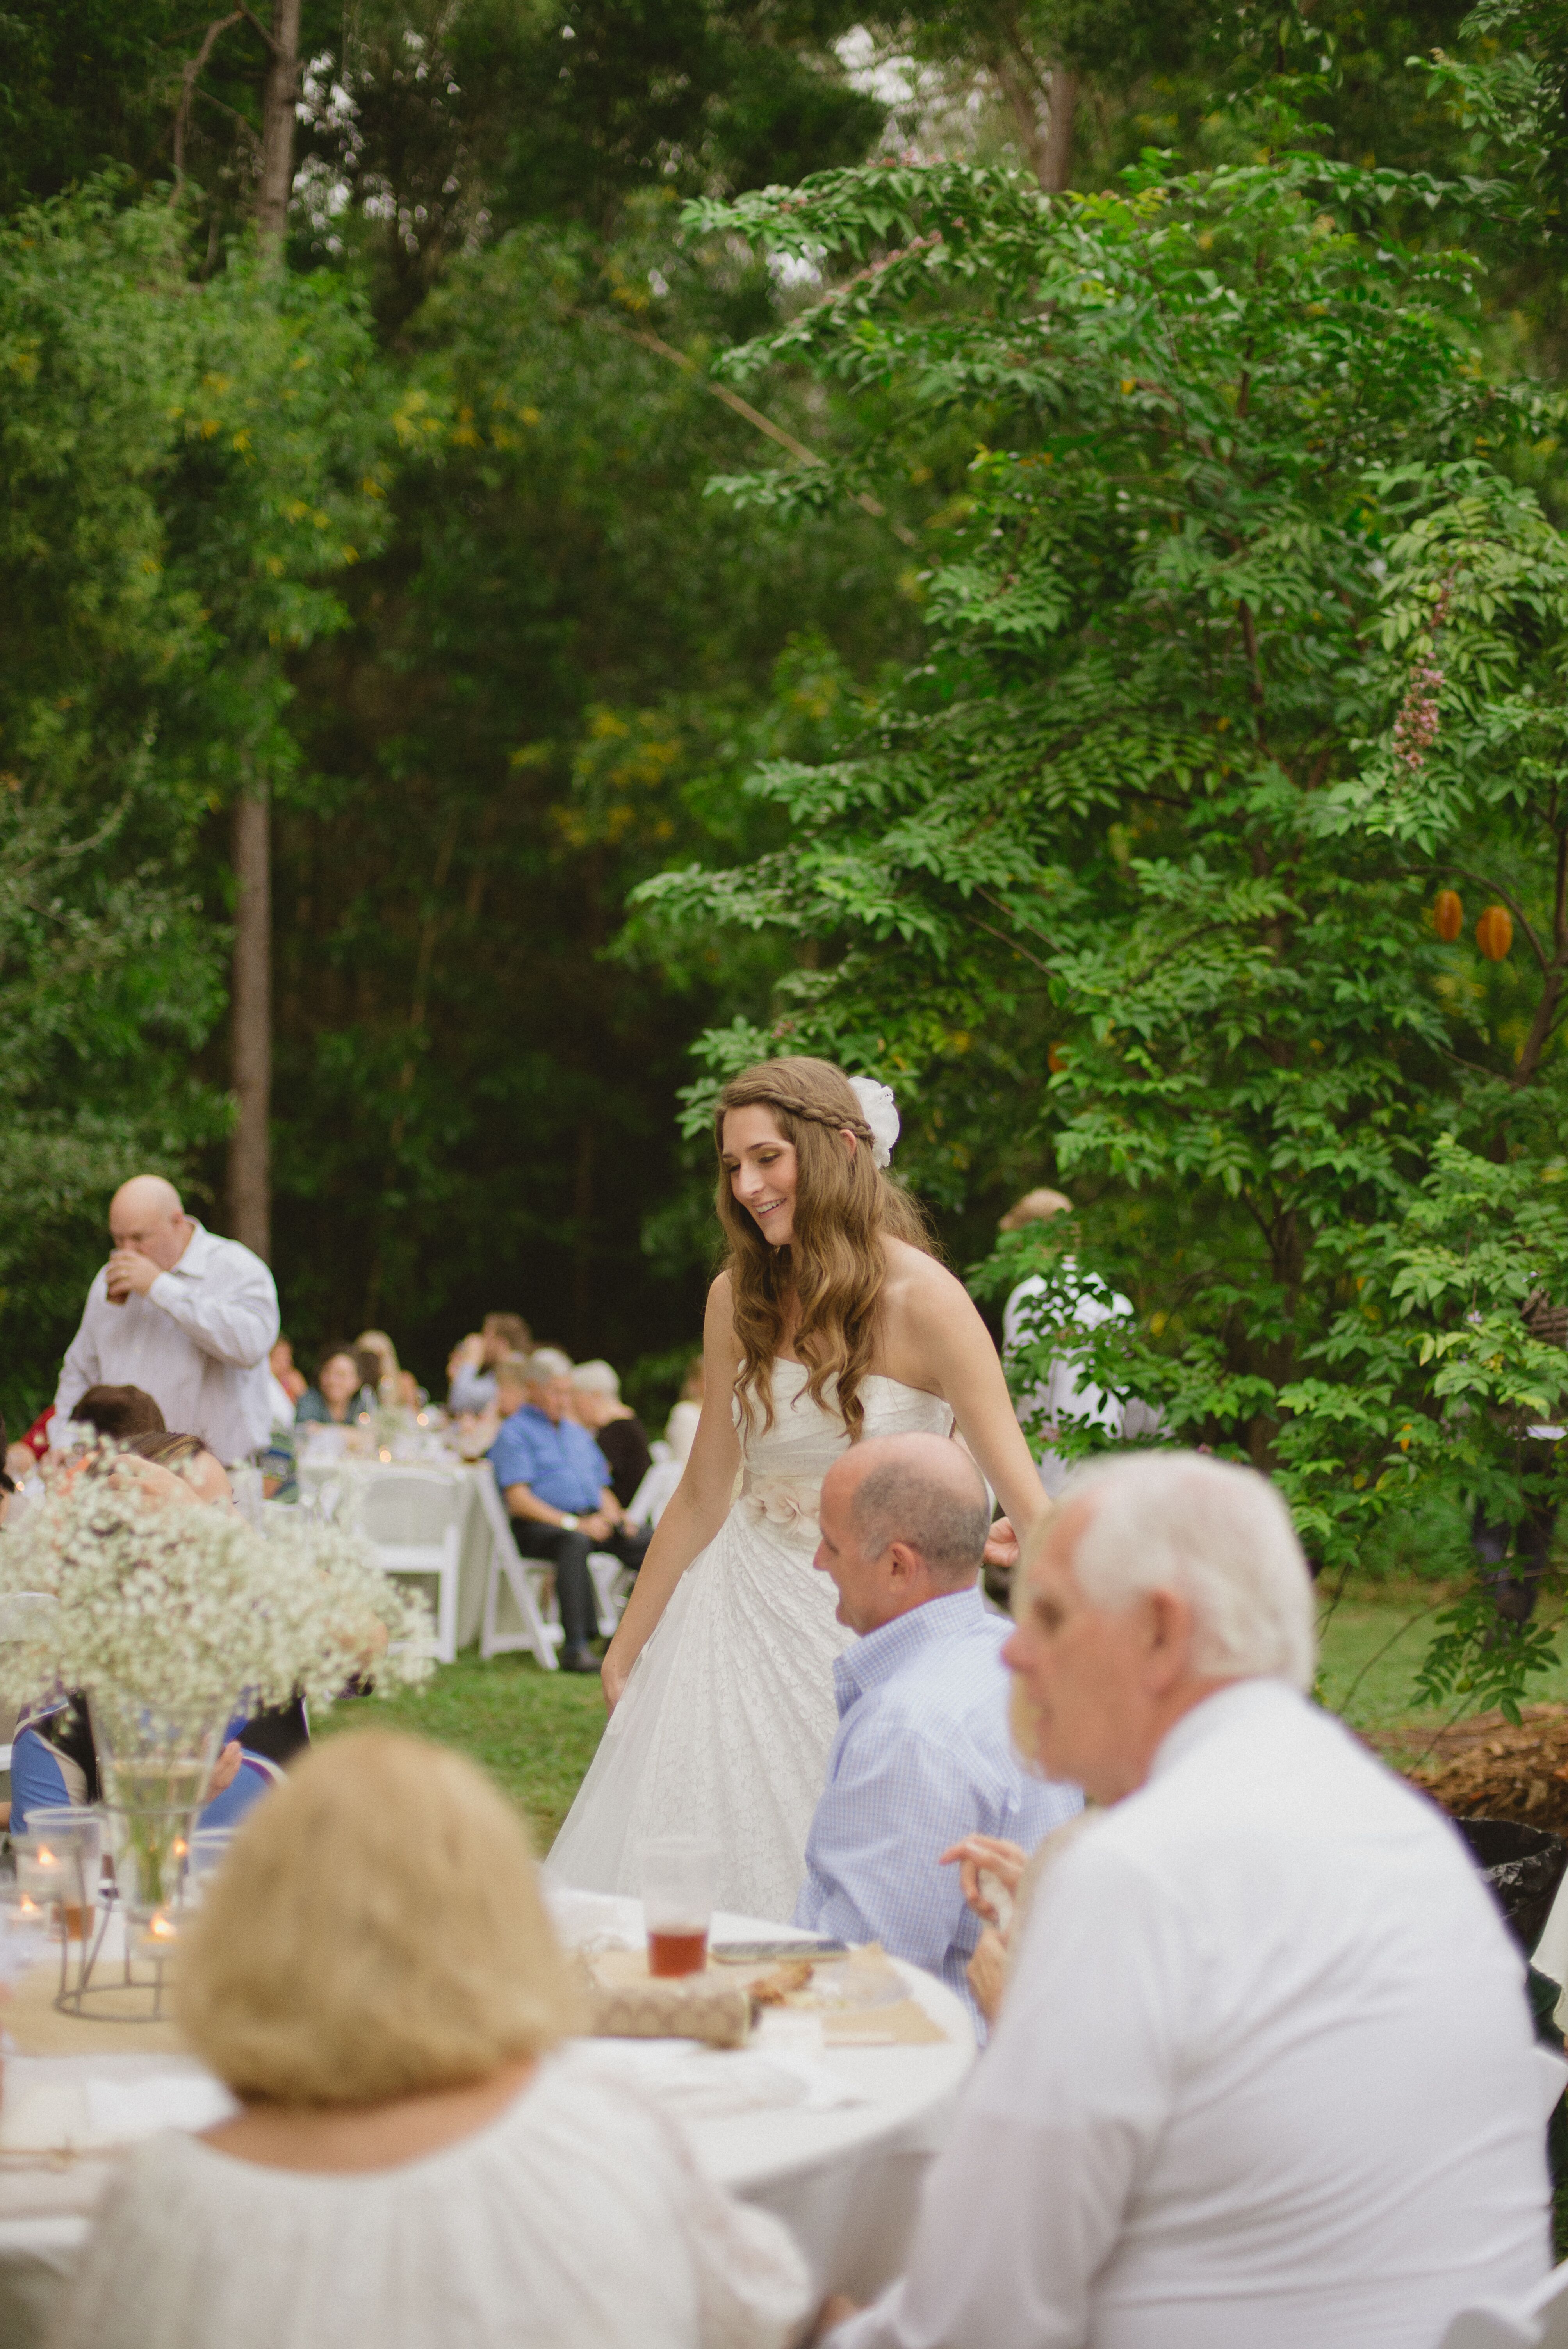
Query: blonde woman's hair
[845,1207]
[376,1929]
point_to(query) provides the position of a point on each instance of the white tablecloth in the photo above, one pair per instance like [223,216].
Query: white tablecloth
[474,1533]
[844,2176]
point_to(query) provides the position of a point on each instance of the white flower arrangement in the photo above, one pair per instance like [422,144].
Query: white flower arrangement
[188,1609]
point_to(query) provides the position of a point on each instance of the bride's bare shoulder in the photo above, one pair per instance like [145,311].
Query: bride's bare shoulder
[718,1322]
[918,1287]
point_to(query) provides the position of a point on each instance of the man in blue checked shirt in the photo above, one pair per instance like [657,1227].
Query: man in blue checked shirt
[922,1758]
[555,1483]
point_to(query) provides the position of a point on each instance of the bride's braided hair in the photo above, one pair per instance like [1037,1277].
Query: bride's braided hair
[845,1207]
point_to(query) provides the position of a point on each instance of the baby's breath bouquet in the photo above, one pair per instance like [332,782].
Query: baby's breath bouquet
[191,1610]
[172,1617]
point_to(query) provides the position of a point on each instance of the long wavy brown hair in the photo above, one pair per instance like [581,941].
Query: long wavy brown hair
[845,1207]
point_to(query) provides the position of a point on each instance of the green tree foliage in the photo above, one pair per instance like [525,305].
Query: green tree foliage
[182,466]
[1145,848]
[559,669]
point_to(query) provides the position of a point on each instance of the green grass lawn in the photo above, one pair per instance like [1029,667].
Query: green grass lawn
[1373,1644]
[536,1732]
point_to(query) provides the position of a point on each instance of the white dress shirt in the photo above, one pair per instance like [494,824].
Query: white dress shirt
[1264,2078]
[197,1344]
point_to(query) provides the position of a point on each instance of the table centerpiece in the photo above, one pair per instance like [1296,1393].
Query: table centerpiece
[172,1618]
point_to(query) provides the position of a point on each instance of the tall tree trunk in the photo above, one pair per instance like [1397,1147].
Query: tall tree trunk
[1043,105]
[251,994]
[251,1033]
[278,128]
[1056,164]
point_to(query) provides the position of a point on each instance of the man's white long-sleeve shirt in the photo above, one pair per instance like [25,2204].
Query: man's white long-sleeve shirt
[197,1343]
[1263,2079]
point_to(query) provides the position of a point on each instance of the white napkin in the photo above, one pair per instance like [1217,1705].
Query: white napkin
[120,2111]
[54,2105]
[715,2083]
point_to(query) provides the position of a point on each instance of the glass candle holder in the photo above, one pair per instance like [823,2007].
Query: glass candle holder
[59,1861]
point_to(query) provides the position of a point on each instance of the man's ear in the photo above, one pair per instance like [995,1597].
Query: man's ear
[1169,1617]
[905,1563]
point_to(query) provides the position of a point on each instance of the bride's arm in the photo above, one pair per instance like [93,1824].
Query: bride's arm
[701,1502]
[961,1364]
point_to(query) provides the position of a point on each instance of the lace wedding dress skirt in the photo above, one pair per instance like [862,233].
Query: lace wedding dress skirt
[727,1715]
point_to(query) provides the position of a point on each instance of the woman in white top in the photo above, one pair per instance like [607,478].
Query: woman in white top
[831,1320]
[414,2162]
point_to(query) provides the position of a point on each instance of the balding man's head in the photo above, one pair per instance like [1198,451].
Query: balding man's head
[903,1519]
[145,1215]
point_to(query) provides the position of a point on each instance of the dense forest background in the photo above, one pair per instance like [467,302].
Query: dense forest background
[580,549]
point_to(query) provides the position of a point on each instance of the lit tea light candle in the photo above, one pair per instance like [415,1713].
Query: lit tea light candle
[40,1871]
[157,1936]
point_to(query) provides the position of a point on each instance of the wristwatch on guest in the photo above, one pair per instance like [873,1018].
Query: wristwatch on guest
[568,1524]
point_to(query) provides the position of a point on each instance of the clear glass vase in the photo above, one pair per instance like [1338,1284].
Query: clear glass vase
[154,1766]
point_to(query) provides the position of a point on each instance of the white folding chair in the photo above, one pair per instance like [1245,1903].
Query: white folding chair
[657,1489]
[522,1576]
[1539,2319]
[611,1589]
[412,1519]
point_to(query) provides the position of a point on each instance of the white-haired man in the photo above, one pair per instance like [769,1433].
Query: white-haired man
[187,1316]
[921,1760]
[1264,2076]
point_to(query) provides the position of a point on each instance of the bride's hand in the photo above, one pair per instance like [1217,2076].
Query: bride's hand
[614,1675]
[1002,1545]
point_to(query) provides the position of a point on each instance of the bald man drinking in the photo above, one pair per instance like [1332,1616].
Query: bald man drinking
[921,1759]
[187,1316]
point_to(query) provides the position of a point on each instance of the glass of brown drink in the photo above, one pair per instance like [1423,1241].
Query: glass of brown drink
[678,1902]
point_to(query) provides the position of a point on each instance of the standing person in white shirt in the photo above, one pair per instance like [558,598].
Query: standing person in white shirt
[1065,1396]
[1264,2076]
[185,1316]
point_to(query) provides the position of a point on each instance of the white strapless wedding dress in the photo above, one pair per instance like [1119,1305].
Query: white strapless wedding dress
[727,1718]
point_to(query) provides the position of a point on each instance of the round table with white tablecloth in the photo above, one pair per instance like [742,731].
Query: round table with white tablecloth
[834,2140]
[347,1479]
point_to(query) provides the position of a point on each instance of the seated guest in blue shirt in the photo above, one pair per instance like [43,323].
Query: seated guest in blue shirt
[555,1483]
[922,1758]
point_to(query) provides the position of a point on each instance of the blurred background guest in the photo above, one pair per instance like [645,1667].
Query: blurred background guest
[118,1413]
[555,1483]
[190,1461]
[681,1425]
[339,1395]
[615,1426]
[470,1368]
[395,1389]
[288,1384]
[564,2211]
[187,1316]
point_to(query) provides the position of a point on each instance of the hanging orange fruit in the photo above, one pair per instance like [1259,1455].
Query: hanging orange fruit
[1448,916]
[1494,933]
[1056,1060]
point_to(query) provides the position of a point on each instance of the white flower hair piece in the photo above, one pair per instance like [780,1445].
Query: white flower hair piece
[880,1111]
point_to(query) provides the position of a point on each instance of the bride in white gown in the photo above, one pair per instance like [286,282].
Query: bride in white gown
[720,1676]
